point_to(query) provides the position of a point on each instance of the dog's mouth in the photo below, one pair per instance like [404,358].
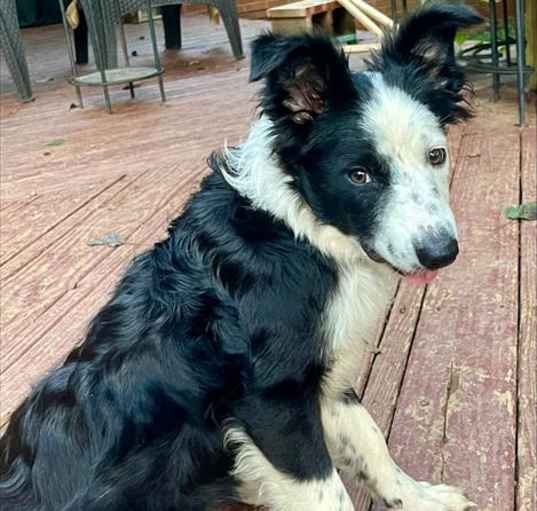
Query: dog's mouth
[418,277]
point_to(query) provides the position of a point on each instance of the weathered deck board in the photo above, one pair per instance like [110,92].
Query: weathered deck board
[208,101]
[527,337]
[131,206]
[461,379]
[92,138]
[45,221]
[60,328]
[388,367]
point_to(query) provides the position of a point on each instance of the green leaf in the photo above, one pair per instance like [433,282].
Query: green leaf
[527,211]
[56,142]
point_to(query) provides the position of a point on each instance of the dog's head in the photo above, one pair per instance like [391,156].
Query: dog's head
[367,151]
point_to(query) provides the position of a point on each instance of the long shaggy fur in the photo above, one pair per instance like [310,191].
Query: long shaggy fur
[249,321]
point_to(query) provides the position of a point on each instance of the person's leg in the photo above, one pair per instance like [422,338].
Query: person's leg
[171,19]
[81,40]
[80,35]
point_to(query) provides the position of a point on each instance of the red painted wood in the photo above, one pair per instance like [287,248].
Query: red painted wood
[32,290]
[47,220]
[209,101]
[47,341]
[389,365]
[527,348]
[455,420]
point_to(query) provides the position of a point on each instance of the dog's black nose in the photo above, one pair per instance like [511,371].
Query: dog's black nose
[437,251]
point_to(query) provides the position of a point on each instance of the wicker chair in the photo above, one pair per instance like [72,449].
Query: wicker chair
[13,48]
[226,8]
[115,10]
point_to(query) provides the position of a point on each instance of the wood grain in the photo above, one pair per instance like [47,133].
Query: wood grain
[527,347]
[302,9]
[455,420]
[37,287]
[387,369]
[44,343]
[45,198]
[46,221]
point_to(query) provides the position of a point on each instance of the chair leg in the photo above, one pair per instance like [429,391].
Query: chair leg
[79,96]
[107,99]
[161,87]
[124,46]
[16,61]
[228,13]
[156,56]
[81,40]
[494,50]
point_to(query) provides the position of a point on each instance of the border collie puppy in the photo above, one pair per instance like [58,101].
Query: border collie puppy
[222,368]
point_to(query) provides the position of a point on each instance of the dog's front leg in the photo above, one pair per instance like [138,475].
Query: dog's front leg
[281,458]
[358,448]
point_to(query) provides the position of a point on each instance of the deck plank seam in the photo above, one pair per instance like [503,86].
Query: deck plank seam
[519,323]
[90,289]
[378,345]
[9,277]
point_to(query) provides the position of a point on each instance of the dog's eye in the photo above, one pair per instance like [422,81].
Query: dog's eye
[359,176]
[437,156]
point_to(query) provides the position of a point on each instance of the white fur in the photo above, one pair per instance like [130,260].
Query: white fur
[358,448]
[364,288]
[257,175]
[404,131]
[264,485]
[351,318]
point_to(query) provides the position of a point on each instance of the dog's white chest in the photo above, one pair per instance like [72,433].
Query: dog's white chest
[358,304]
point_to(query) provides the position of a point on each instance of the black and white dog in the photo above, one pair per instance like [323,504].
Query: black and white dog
[222,368]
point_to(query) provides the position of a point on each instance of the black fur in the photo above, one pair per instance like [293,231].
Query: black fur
[420,59]
[222,320]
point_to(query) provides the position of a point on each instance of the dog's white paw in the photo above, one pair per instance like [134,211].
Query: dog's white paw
[428,497]
[449,497]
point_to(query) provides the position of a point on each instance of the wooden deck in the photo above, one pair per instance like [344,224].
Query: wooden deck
[453,380]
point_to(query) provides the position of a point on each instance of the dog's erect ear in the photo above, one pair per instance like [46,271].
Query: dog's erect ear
[423,49]
[429,33]
[305,75]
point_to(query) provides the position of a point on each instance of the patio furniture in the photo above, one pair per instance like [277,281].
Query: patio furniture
[336,17]
[171,21]
[486,58]
[226,8]
[13,48]
[106,75]
[305,15]
[531,36]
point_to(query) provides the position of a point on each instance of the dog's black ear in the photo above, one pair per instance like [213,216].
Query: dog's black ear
[305,75]
[429,33]
[420,54]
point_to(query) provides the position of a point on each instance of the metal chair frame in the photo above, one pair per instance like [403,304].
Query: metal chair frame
[485,57]
[13,48]
[101,31]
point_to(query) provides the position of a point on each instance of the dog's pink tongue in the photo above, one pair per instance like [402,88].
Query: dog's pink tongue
[422,278]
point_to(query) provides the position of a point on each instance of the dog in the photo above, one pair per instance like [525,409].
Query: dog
[222,368]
